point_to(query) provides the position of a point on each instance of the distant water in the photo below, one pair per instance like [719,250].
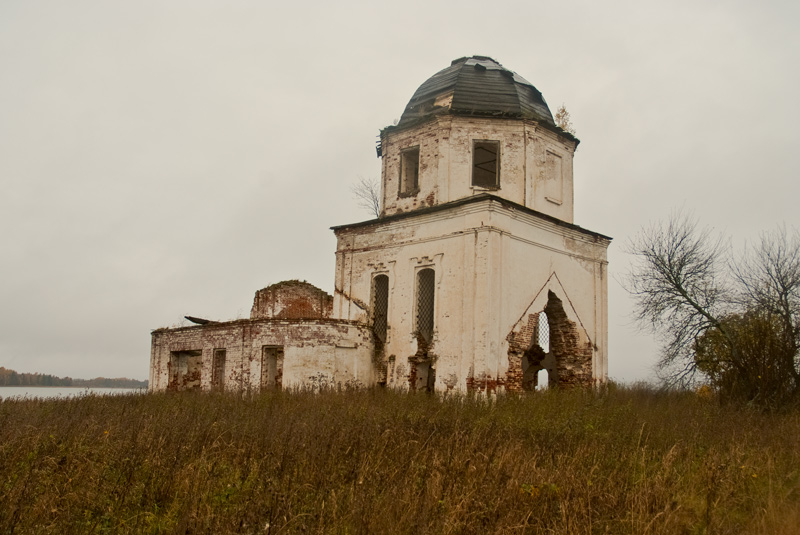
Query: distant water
[61,391]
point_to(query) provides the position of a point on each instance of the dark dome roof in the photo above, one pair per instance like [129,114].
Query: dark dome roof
[479,86]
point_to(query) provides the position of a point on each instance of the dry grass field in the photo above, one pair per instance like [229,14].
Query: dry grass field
[622,461]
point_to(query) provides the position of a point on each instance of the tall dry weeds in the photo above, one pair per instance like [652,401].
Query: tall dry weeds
[628,460]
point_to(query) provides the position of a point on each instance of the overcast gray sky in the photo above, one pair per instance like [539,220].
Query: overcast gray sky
[163,158]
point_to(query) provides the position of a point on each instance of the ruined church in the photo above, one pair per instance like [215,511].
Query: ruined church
[474,278]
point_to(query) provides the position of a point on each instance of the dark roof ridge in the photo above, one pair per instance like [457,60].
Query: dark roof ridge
[470,200]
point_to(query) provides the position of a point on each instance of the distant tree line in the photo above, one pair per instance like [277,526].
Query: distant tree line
[13,378]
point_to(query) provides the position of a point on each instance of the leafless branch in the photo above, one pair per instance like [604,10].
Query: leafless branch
[367,192]
[735,323]
[769,280]
[677,284]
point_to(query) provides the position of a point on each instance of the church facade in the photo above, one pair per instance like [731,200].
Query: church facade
[473,278]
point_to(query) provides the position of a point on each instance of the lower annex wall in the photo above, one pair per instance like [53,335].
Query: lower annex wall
[255,354]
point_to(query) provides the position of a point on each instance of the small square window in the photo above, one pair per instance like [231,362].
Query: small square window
[409,171]
[486,164]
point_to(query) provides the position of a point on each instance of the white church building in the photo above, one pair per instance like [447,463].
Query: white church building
[473,278]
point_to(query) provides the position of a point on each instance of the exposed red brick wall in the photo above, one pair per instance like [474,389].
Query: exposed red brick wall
[424,355]
[520,343]
[292,300]
[484,384]
[573,357]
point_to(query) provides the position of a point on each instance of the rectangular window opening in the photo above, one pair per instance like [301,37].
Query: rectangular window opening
[185,368]
[272,367]
[486,164]
[218,369]
[409,171]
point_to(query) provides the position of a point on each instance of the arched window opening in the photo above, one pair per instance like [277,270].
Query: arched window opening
[544,332]
[380,306]
[426,289]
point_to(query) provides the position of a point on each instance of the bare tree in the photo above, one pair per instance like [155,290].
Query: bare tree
[367,192]
[769,281]
[735,323]
[679,289]
[563,120]
[769,277]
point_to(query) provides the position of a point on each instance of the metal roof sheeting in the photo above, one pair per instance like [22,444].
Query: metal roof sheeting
[480,86]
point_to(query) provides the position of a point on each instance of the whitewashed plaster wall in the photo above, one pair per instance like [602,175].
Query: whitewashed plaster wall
[535,164]
[315,352]
[491,262]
